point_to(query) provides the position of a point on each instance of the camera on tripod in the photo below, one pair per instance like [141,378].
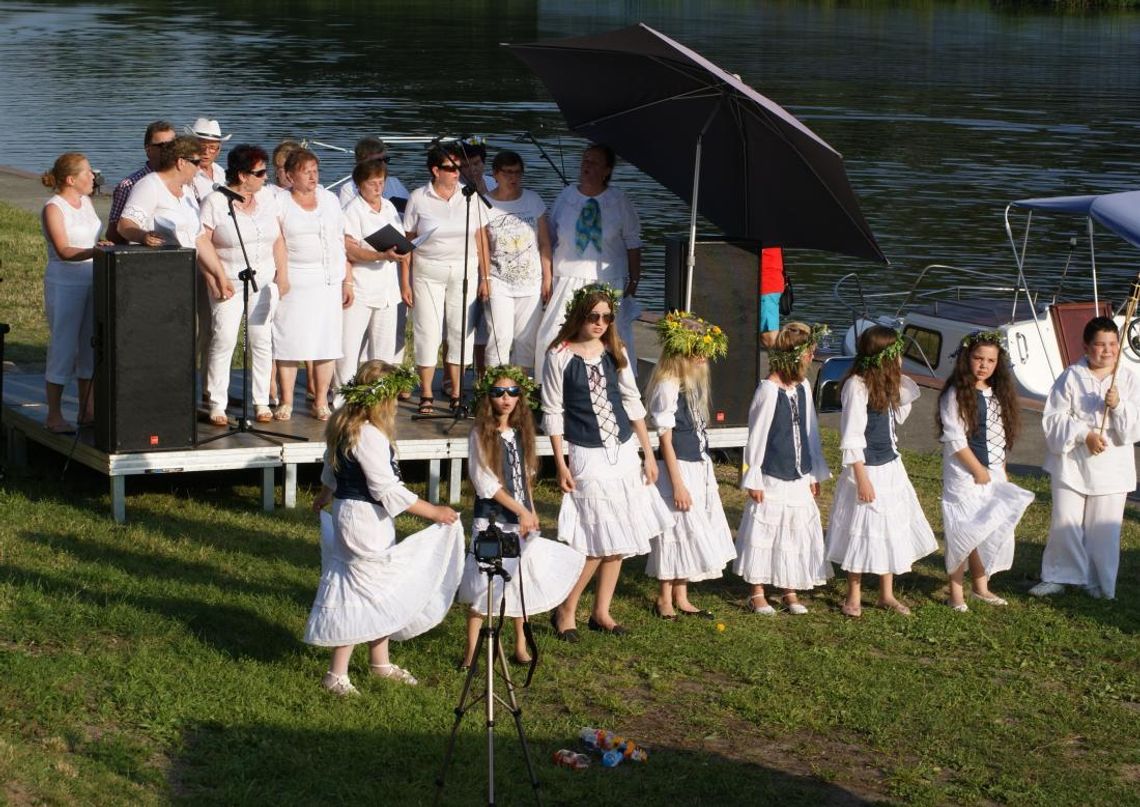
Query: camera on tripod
[492,544]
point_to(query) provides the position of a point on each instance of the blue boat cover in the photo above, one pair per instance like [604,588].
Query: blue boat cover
[1118,212]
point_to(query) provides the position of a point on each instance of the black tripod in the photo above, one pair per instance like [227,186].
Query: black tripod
[461,412]
[247,277]
[490,640]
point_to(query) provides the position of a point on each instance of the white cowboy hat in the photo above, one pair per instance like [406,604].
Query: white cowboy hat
[207,129]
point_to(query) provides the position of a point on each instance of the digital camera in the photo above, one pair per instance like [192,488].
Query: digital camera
[492,544]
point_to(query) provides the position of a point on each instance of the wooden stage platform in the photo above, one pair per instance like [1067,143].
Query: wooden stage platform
[434,441]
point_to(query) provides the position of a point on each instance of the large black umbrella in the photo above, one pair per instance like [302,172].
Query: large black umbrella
[740,159]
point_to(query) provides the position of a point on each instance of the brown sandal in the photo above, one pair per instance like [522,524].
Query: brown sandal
[427,406]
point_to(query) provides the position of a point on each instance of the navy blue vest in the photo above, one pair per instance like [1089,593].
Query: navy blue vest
[779,454]
[879,450]
[491,509]
[688,441]
[977,440]
[579,422]
[351,482]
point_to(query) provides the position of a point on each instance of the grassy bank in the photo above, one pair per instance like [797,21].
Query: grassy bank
[160,661]
[22,261]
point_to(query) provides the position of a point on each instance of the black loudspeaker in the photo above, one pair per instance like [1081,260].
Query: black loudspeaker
[726,290]
[144,349]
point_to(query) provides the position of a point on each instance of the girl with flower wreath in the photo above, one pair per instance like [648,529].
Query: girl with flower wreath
[698,544]
[373,589]
[610,507]
[502,463]
[780,540]
[978,422]
[877,525]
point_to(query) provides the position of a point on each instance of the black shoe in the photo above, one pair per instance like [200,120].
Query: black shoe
[667,617]
[698,613]
[616,630]
[570,636]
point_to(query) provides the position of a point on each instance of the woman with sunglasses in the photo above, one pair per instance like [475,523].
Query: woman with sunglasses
[162,210]
[432,281]
[221,259]
[611,507]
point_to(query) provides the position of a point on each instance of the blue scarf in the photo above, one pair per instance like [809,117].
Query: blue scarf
[588,229]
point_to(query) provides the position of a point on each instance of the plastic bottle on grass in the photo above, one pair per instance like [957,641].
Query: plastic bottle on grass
[565,758]
[612,758]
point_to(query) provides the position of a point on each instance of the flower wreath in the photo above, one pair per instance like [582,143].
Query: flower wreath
[683,333]
[613,296]
[788,361]
[515,374]
[888,354]
[995,338]
[396,381]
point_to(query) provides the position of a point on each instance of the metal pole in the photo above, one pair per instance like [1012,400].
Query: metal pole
[691,262]
[490,696]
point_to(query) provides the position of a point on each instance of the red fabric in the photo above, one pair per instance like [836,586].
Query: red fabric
[771,270]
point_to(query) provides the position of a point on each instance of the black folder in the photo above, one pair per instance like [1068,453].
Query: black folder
[387,237]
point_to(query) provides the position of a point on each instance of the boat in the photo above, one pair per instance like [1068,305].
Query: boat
[1043,329]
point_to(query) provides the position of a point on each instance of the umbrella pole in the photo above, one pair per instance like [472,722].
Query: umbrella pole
[1129,312]
[691,262]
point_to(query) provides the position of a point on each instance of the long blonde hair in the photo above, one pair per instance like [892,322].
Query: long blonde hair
[343,429]
[691,375]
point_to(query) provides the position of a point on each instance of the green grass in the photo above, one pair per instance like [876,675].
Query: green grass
[161,661]
[22,261]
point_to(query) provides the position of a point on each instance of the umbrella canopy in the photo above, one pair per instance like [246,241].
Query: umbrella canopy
[1118,212]
[755,170]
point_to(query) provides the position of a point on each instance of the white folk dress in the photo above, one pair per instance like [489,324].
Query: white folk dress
[307,324]
[549,569]
[780,540]
[612,509]
[698,544]
[371,586]
[888,535]
[981,517]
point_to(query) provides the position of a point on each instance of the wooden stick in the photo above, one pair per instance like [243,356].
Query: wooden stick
[1129,311]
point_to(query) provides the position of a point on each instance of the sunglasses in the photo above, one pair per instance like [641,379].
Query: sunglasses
[194,160]
[499,392]
[594,318]
[448,168]
[259,173]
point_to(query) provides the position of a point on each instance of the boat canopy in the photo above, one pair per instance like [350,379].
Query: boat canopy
[1118,212]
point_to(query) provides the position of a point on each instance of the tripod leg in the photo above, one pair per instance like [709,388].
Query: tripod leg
[512,705]
[465,704]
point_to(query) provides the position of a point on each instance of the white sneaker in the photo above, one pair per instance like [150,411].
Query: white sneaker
[338,684]
[1046,589]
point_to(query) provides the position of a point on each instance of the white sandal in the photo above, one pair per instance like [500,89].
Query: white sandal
[796,608]
[338,684]
[765,609]
[993,599]
[394,672]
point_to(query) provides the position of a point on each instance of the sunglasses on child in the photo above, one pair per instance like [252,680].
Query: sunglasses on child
[499,392]
[594,318]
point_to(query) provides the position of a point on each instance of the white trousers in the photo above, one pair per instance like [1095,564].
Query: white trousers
[555,314]
[512,325]
[70,312]
[438,299]
[1084,540]
[370,333]
[224,318]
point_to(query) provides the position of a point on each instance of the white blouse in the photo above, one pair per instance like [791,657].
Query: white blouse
[377,282]
[374,453]
[152,206]
[82,226]
[314,239]
[260,229]
[621,232]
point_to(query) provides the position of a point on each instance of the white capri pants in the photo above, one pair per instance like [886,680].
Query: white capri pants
[371,333]
[512,324]
[225,323]
[437,293]
[1084,539]
[70,312]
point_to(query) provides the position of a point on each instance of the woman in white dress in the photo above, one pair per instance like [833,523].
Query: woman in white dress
[307,325]
[161,209]
[221,258]
[519,278]
[597,239]
[71,227]
[374,323]
[432,282]
[373,589]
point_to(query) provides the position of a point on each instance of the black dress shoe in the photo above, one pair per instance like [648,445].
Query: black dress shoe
[657,613]
[616,630]
[703,614]
[570,635]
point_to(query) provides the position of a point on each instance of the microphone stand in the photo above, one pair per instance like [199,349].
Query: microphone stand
[247,277]
[461,412]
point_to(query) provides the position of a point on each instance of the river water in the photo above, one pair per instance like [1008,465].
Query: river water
[944,111]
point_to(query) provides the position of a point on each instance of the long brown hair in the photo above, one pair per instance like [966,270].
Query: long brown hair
[963,383]
[491,447]
[883,380]
[343,429]
[576,320]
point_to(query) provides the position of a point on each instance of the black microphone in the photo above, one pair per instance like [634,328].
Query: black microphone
[233,196]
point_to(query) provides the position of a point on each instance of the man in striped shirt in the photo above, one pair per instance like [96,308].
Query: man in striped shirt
[157,133]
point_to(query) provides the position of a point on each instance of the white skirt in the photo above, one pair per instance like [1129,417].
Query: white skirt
[549,570]
[885,536]
[612,511]
[699,543]
[307,322]
[399,593]
[780,541]
[982,517]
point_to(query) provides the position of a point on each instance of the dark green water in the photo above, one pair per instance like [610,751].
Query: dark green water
[944,111]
